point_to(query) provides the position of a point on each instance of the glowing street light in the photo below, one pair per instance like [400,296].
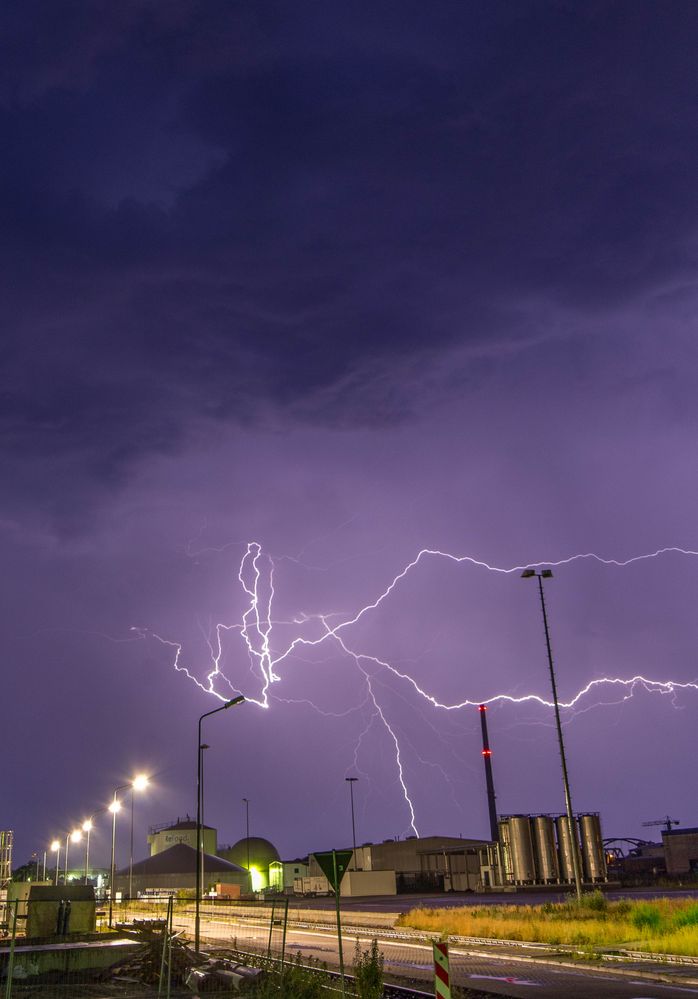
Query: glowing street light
[72,837]
[56,848]
[540,576]
[114,808]
[87,829]
[139,783]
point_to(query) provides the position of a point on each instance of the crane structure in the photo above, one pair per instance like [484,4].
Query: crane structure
[667,822]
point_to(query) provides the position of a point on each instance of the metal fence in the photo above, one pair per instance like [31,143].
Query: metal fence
[146,953]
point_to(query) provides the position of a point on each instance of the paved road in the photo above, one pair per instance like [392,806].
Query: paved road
[494,972]
[499,976]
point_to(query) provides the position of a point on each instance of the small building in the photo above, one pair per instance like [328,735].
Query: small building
[429,863]
[283,873]
[255,854]
[681,851]
[175,870]
[162,837]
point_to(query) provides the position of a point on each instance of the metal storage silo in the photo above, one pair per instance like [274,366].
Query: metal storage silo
[547,865]
[505,851]
[593,854]
[522,848]
[564,848]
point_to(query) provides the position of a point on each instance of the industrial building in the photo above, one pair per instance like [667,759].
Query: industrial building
[537,850]
[169,834]
[429,863]
[681,851]
[283,873]
[174,869]
[254,854]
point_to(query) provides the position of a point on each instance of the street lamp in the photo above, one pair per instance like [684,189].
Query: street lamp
[139,783]
[56,848]
[87,829]
[351,781]
[247,830]
[540,576]
[199,851]
[114,807]
[72,837]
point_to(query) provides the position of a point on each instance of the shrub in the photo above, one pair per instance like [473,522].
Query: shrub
[646,917]
[368,971]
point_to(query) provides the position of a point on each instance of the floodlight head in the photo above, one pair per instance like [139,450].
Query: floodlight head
[351,779]
[55,845]
[115,806]
[527,573]
[235,700]
[139,782]
[547,573]
[76,836]
[87,825]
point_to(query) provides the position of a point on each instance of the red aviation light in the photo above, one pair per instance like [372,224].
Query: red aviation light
[483,707]
[486,752]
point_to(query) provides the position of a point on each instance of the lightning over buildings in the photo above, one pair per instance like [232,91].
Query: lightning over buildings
[269,665]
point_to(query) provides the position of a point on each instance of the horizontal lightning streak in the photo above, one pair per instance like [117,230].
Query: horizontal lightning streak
[256,625]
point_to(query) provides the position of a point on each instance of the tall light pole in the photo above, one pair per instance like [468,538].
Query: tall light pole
[351,781]
[576,867]
[114,808]
[199,851]
[247,830]
[56,848]
[202,748]
[87,829]
[139,783]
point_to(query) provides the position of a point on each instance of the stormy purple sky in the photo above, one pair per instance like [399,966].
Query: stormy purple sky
[346,280]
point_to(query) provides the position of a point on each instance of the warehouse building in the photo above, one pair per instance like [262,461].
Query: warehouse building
[174,870]
[429,863]
[681,851]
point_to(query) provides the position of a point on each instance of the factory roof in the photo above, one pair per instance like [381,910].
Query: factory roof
[180,859]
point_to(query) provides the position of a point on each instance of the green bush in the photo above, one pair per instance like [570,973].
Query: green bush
[368,971]
[688,916]
[596,901]
[646,917]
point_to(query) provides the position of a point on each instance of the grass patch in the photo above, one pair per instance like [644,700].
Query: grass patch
[663,926]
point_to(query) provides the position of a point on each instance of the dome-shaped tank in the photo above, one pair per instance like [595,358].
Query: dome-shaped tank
[255,853]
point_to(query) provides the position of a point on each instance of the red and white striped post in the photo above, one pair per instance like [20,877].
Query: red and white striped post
[442,976]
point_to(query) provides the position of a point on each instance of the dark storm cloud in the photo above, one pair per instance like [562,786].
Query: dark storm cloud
[211,211]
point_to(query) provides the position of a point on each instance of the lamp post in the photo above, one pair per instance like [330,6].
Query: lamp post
[197,917]
[114,808]
[56,848]
[139,783]
[247,830]
[204,746]
[540,576]
[351,781]
[87,829]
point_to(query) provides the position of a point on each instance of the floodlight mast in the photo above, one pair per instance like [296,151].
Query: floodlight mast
[576,866]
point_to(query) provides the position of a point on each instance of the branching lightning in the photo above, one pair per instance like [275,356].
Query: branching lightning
[255,628]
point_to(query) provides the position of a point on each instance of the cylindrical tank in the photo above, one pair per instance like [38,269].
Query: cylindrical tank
[564,848]
[522,849]
[505,851]
[547,865]
[593,855]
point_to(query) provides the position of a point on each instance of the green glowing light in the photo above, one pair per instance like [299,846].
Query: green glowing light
[259,881]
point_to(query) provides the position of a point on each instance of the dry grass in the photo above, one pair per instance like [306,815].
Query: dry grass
[663,926]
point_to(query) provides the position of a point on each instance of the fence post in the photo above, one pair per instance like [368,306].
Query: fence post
[11,958]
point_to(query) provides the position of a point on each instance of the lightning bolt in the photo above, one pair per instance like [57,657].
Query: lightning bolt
[255,628]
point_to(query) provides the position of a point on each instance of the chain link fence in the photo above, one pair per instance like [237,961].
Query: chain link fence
[55,950]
